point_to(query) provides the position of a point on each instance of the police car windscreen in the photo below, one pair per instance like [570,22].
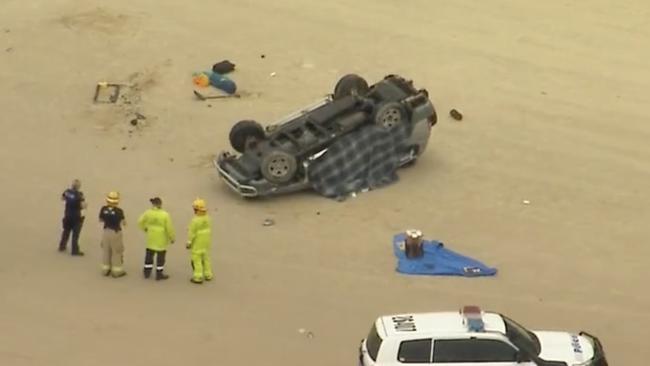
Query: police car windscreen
[373,342]
[522,337]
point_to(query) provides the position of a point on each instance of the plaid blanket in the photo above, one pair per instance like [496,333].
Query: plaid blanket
[364,159]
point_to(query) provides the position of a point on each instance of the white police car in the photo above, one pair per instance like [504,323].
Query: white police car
[473,337]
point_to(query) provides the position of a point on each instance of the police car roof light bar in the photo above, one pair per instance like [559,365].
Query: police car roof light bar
[474,319]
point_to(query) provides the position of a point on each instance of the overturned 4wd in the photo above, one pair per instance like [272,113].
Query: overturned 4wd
[353,139]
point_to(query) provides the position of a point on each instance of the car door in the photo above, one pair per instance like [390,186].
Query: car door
[475,351]
[415,352]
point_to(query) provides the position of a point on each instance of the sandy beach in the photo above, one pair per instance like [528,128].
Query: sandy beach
[555,99]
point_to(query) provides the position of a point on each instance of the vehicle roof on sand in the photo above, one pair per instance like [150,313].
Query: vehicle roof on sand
[440,323]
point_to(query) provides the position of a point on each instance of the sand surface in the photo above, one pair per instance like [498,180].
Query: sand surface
[555,97]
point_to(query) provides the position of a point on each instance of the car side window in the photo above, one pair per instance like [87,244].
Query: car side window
[473,350]
[416,351]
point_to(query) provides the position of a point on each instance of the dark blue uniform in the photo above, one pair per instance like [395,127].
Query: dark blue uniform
[72,219]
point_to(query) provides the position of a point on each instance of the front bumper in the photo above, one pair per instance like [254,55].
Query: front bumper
[243,189]
[599,353]
[254,188]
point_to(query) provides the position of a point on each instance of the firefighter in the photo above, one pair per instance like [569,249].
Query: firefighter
[112,245]
[199,242]
[157,223]
[73,218]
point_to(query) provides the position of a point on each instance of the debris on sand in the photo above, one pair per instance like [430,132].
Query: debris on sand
[306,333]
[526,202]
[122,100]
[268,222]
[209,78]
[203,97]
[201,79]
[223,67]
[138,117]
[106,92]
[123,148]
[455,114]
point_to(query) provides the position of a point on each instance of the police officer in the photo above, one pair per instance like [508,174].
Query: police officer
[73,217]
[112,245]
[157,223]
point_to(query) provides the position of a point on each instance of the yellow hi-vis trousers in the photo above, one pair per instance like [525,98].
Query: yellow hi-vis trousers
[202,266]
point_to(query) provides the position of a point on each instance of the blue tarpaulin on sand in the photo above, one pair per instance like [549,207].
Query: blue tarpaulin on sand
[438,261]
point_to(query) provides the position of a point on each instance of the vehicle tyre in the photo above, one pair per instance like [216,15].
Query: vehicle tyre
[350,84]
[390,115]
[243,131]
[279,166]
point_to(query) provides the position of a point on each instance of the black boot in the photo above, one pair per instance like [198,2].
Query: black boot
[77,253]
[161,276]
[147,272]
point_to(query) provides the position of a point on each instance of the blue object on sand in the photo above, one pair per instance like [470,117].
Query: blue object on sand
[222,83]
[438,261]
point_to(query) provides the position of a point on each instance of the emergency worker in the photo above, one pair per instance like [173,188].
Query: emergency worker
[112,244]
[199,242]
[157,224]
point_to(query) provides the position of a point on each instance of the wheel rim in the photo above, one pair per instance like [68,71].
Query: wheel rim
[279,167]
[391,118]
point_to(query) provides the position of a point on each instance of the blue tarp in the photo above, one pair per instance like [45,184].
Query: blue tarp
[438,261]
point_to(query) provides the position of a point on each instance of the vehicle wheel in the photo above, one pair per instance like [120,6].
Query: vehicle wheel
[243,131]
[390,115]
[350,84]
[279,166]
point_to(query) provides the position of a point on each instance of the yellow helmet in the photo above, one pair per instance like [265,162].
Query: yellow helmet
[113,198]
[199,205]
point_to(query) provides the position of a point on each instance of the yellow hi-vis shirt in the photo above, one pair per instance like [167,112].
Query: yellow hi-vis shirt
[157,223]
[199,236]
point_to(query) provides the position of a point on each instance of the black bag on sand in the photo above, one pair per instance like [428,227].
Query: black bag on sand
[223,67]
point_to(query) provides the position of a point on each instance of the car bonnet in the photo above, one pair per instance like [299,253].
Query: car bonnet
[566,347]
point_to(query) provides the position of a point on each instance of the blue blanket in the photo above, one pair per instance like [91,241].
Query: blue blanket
[438,261]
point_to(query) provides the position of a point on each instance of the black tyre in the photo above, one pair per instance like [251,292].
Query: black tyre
[279,167]
[242,133]
[350,84]
[390,115]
